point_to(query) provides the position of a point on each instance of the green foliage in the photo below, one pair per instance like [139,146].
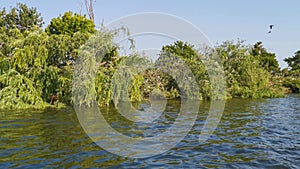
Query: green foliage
[129,74]
[267,60]
[70,23]
[182,50]
[36,64]
[105,73]
[46,80]
[103,87]
[4,65]
[155,79]
[67,34]
[294,61]
[293,84]
[63,49]
[9,40]
[20,17]
[192,58]
[31,52]
[64,89]
[292,74]
[40,62]
[135,88]
[18,92]
[93,72]
[246,77]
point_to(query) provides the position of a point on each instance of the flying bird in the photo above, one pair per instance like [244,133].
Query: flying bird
[271,27]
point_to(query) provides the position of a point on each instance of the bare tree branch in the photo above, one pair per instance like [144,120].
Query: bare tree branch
[89,5]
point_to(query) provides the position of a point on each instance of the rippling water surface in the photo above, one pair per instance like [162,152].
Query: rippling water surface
[261,133]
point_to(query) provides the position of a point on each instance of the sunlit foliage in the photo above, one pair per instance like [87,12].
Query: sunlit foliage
[37,65]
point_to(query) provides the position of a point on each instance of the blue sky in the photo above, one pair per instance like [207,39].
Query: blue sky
[219,20]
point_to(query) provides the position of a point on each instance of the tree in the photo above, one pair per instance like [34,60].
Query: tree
[246,77]
[18,92]
[21,17]
[181,49]
[67,33]
[31,52]
[63,49]
[15,25]
[9,40]
[191,57]
[294,61]
[267,60]
[69,24]
[292,76]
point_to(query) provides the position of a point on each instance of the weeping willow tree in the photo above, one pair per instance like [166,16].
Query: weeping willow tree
[19,92]
[31,52]
[127,79]
[101,75]
[4,64]
[92,56]
[39,60]
[9,40]
[27,55]
[31,57]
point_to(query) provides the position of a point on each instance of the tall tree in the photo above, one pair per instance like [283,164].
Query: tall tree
[246,77]
[294,61]
[191,57]
[69,24]
[267,60]
[292,76]
[21,17]
[63,49]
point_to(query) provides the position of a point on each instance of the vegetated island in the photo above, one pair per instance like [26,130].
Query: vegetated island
[37,65]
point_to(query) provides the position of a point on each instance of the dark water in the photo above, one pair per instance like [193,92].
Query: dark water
[261,133]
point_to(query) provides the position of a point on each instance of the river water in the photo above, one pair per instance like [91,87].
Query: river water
[263,133]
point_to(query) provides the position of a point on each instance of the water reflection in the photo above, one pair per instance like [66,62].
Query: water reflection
[252,134]
[115,142]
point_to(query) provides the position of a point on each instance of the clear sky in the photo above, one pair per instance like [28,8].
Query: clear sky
[219,20]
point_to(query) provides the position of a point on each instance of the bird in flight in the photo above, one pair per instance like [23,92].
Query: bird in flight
[271,27]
